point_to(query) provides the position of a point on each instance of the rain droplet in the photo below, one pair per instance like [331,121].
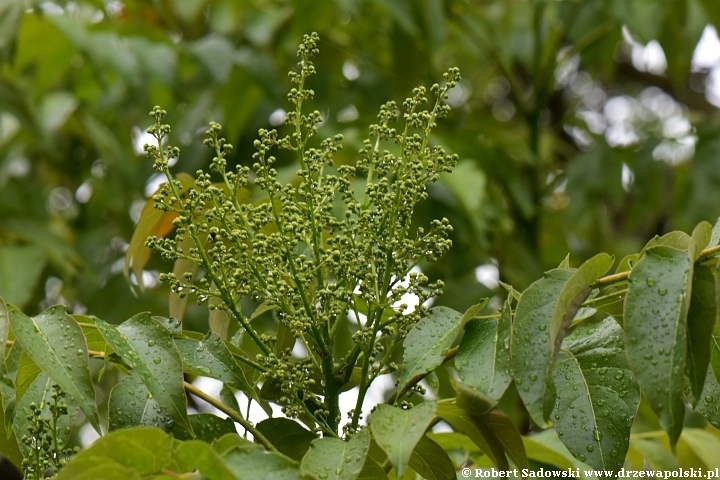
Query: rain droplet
[662,291]
[650,282]
[590,448]
[156,360]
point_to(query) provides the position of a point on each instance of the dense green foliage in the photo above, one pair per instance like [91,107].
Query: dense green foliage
[565,136]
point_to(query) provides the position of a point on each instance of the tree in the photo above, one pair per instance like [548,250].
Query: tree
[536,199]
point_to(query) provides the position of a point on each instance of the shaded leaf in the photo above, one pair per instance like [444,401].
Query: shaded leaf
[655,318]
[335,459]
[597,395]
[288,436]
[701,236]
[4,332]
[20,269]
[430,339]
[40,393]
[540,452]
[210,357]
[472,400]
[431,461]
[483,359]
[8,442]
[397,431]
[701,318]
[27,372]
[56,343]
[207,427]
[477,431]
[132,405]
[148,348]
[229,441]
[708,403]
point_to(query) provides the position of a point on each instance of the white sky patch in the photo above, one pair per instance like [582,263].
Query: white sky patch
[277,117]
[375,394]
[627,177]
[707,51]
[489,275]
[140,138]
[350,70]
[88,435]
[348,114]
[410,299]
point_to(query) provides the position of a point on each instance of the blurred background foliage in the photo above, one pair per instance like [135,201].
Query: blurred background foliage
[582,126]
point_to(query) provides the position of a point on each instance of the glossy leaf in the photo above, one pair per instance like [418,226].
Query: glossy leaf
[531,349]
[431,461]
[257,463]
[146,450]
[27,372]
[597,395]
[335,459]
[132,405]
[210,357]
[56,343]
[543,314]
[483,359]
[708,403]
[477,431]
[148,348]
[197,456]
[207,427]
[40,393]
[288,436]
[397,431]
[701,318]
[655,328]
[430,339]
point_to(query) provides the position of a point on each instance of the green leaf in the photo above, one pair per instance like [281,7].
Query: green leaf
[703,444]
[216,54]
[701,236]
[27,372]
[132,405]
[543,314]
[257,463]
[472,400]
[708,403]
[397,431]
[56,343]
[195,455]
[477,431]
[4,332]
[146,450]
[40,393]
[20,269]
[611,300]
[229,441]
[651,453]
[431,461]
[678,240]
[335,459]
[94,468]
[597,395]
[211,358]
[207,427]
[9,446]
[148,347]
[288,436]
[540,452]
[430,339]
[505,431]
[227,396]
[715,233]
[372,470]
[701,319]
[655,317]
[531,349]
[483,359]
